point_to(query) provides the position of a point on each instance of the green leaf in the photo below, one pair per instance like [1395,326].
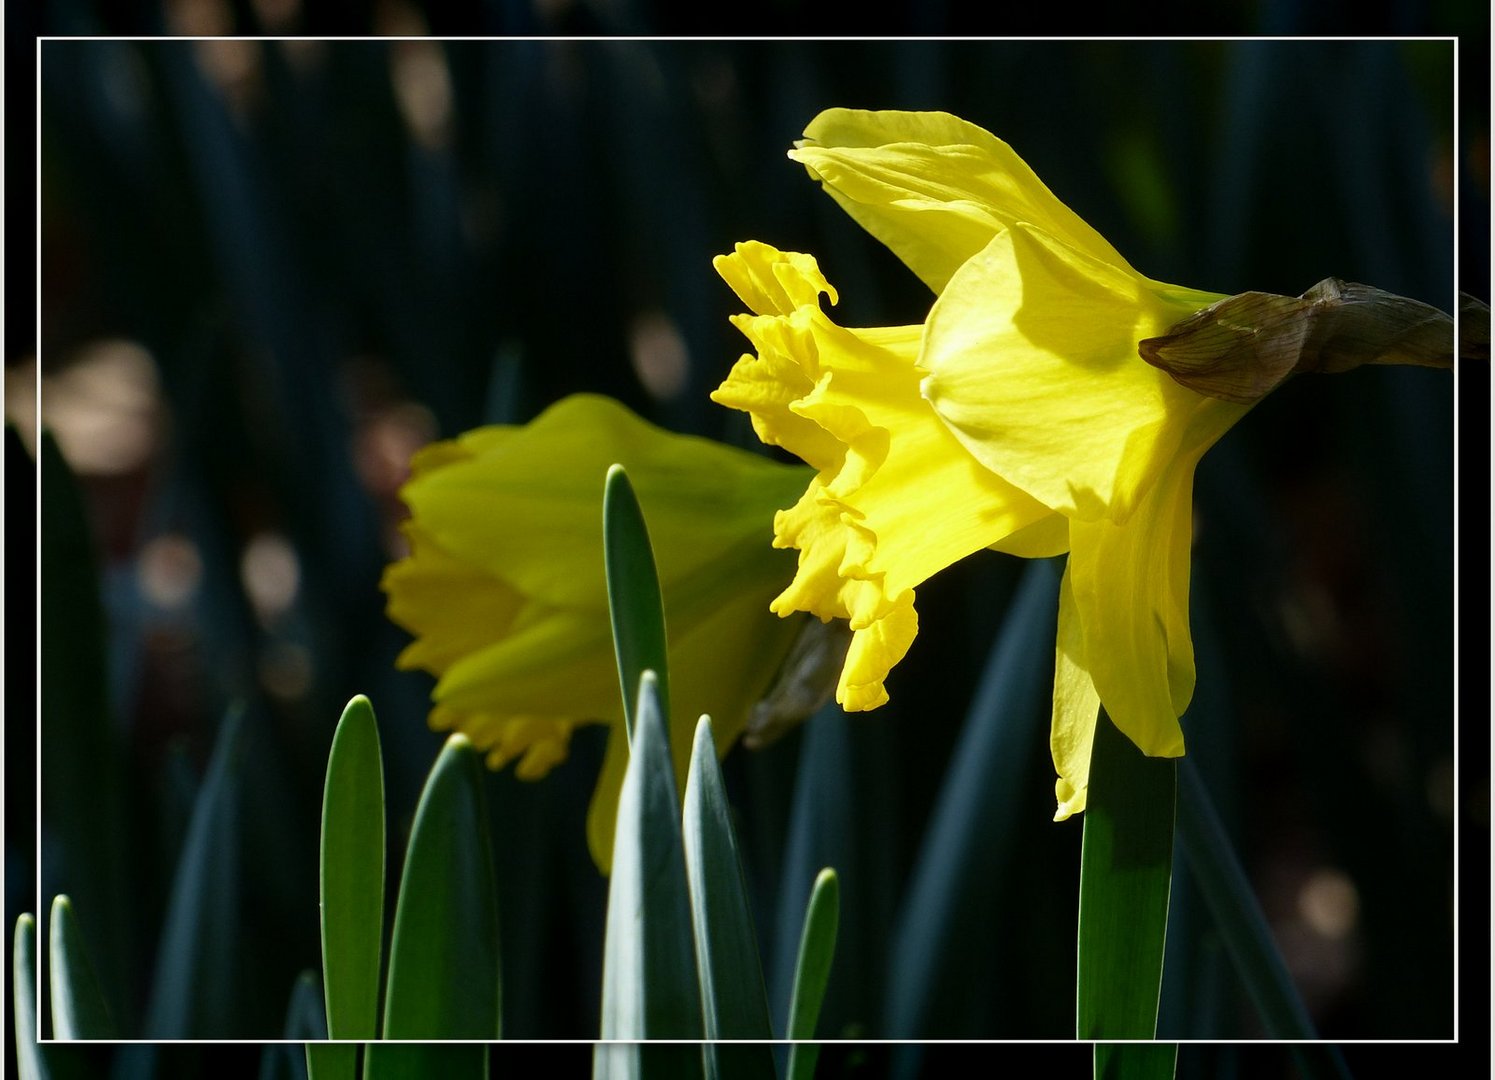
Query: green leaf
[963,872]
[331,1061]
[413,1061]
[192,996]
[1125,874]
[1135,1061]
[633,596]
[649,985]
[734,1002]
[353,875]
[1237,916]
[817,949]
[78,1007]
[443,956]
[30,1065]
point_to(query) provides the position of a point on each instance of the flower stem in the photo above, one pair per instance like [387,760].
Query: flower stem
[1125,877]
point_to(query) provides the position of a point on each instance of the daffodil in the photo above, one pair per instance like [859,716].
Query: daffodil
[1020,416]
[505,591]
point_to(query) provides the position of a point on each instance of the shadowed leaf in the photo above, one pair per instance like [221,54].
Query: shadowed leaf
[79,1010]
[817,949]
[352,878]
[733,999]
[30,1065]
[650,988]
[443,955]
[633,596]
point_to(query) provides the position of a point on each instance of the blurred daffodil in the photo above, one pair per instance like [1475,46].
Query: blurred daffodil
[505,592]
[1019,416]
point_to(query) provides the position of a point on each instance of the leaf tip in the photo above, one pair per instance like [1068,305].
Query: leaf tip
[459,743]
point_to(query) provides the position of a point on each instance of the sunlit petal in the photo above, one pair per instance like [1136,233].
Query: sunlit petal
[934,188]
[1076,708]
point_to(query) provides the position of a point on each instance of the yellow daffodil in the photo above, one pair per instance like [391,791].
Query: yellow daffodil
[1019,416]
[505,591]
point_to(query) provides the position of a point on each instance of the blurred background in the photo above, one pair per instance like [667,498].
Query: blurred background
[270,270]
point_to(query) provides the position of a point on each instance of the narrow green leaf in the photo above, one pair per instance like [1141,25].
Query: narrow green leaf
[734,1003]
[649,985]
[30,1065]
[1125,874]
[1237,916]
[963,874]
[78,1007]
[352,876]
[192,995]
[817,949]
[1135,1061]
[633,596]
[331,1061]
[414,1061]
[443,956]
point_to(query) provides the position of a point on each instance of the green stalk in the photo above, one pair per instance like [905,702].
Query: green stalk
[1126,869]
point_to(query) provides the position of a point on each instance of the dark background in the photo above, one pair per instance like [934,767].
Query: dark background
[270,270]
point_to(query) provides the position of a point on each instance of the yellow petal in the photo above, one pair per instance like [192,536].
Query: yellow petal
[767,385]
[1131,591]
[426,588]
[934,188]
[1076,706]
[1046,537]
[1032,354]
[540,742]
[770,281]
[876,646]
[729,659]
[464,447]
[904,474]
[554,661]
[528,511]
